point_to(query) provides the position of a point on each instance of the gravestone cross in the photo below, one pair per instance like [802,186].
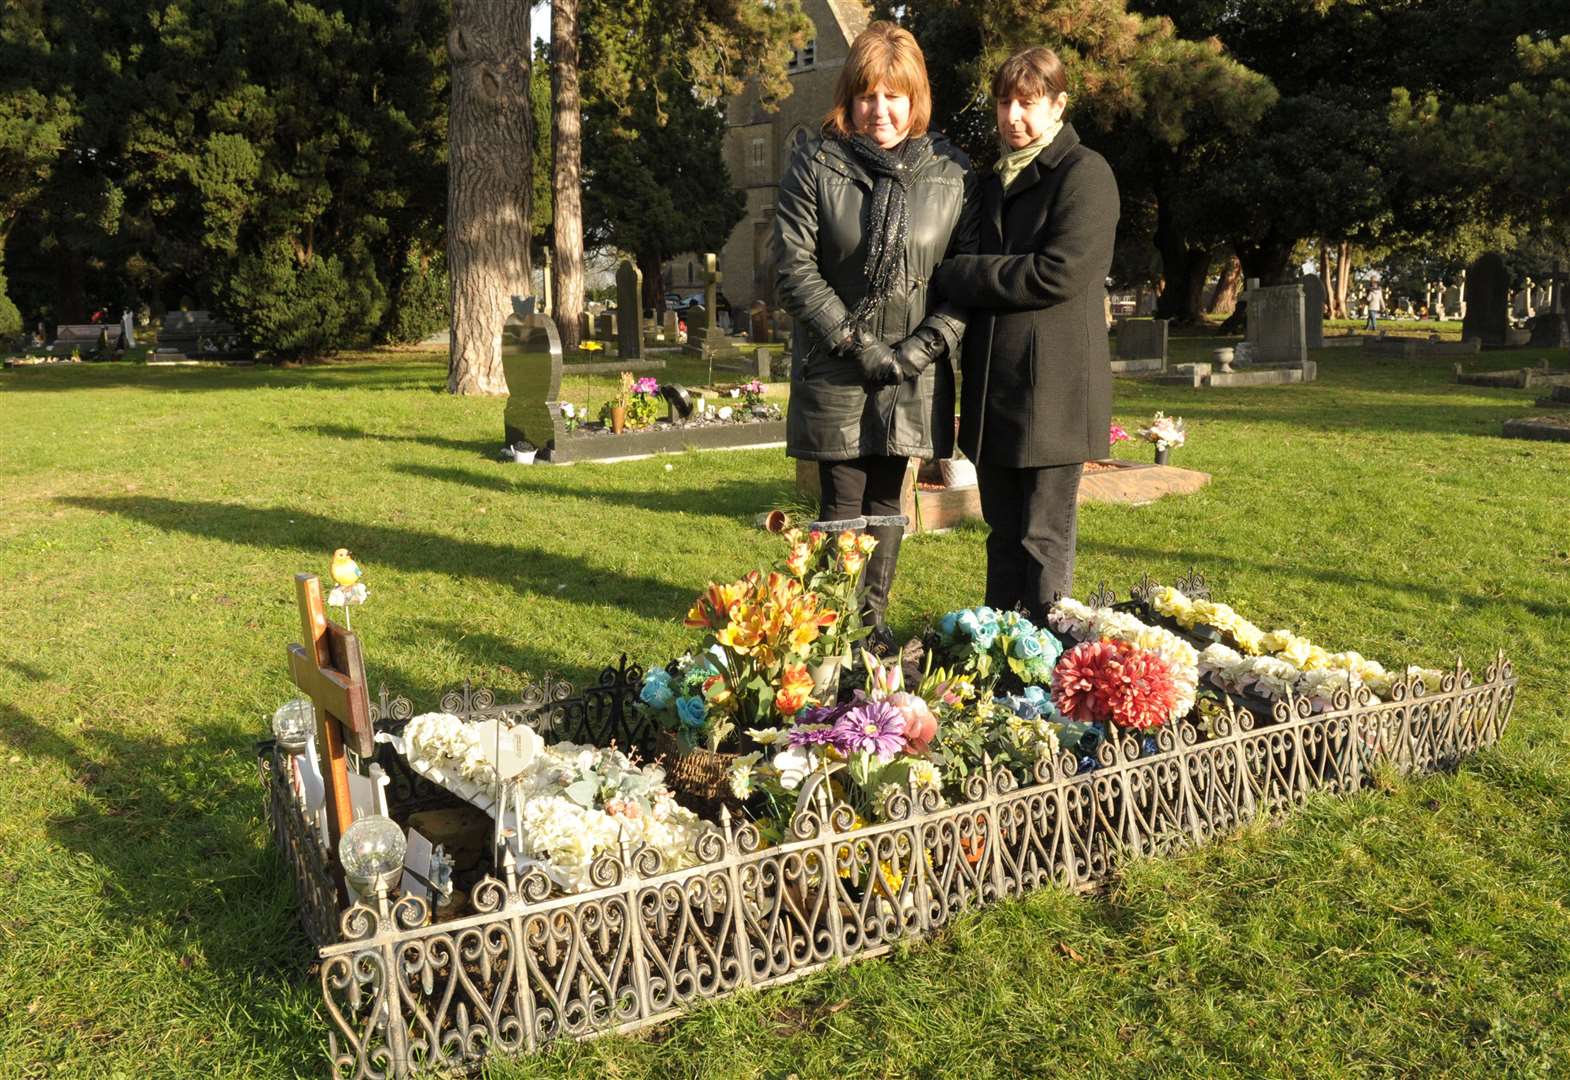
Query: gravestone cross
[329,671]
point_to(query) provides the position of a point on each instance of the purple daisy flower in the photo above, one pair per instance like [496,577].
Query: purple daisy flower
[812,735]
[874,726]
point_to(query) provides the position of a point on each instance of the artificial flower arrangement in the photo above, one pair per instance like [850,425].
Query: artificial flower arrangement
[989,642]
[769,636]
[569,803]
[1277,665]
[1166,432]
[643,404]
[570,416]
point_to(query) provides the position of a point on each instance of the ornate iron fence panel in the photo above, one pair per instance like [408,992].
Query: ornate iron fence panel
[403,994]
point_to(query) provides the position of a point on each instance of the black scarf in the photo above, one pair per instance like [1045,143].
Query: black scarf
[888,224]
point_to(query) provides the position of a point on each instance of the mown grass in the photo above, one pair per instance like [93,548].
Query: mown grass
[151,520]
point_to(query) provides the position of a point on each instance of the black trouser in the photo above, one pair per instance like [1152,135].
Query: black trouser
[867,490]
[1034,518]
[860,487]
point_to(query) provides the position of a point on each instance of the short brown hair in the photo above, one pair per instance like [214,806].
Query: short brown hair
[1030,73]
[885,54]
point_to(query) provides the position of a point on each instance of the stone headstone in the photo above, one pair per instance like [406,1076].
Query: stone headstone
[1314,311]
[1451,301]
[1142,339]
[668,323]
[759,332]
[1276,331]
[605,324]
[1144,303]
[761,362]
[629,302]
[531,359]
[1488,315]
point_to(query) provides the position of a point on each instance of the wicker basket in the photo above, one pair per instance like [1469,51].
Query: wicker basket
[699,777]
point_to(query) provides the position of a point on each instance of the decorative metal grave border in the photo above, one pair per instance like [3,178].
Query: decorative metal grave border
[404,995]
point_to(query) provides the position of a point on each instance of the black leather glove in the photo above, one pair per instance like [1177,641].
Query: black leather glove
[878,365]
[916,352]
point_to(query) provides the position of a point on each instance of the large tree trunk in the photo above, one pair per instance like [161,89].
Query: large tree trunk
[70,286]
[566,172]
[653,282]
[488,185]
[1267,260]
[1329,311]
[1223,298]
[1343,280]
[1183,267]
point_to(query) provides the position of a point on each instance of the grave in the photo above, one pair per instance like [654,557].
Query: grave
[1487,315]
[532,361]
[197,334]
[629,301]
[1276,328]
[704,337]
[1314,311]
[1526,378]
[1550,328]
[759,330]
[89,338]
[605,326]
[1540,428]
[669,325]
[527,960]
[1141,346]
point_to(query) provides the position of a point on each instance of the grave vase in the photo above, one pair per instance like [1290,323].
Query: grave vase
[1162,453]
[618,419]
[826,676]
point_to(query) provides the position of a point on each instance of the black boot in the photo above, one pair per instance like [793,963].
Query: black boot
[878,581]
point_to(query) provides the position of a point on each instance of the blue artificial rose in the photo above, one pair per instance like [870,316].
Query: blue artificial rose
[947,626]
[985,635]
[1020,706]
[692,710]
[1027,647]
[656,695]
[1035,695]
[969,625]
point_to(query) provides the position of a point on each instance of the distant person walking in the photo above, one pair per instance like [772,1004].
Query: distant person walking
[1376,304]
[864,214]
[1037,377]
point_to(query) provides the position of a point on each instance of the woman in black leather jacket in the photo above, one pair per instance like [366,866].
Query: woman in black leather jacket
[864,215]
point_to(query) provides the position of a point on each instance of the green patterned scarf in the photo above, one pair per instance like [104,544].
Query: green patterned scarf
[1013,162]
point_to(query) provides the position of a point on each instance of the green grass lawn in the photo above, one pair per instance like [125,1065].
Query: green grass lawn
[150,522]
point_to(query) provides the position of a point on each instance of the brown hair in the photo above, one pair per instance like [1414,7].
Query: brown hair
[887,54]
[1030,73]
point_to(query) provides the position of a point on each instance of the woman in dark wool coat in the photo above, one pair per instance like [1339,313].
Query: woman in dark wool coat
[1037,378]
[863,215]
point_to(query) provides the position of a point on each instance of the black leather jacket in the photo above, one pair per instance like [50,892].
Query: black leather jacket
[820,237]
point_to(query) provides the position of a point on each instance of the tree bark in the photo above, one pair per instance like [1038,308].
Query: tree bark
[1223,299]
[488,185]
[1329,311]
[1183,267]
[1267,260]
[1343,279]
[653,282]
[566,172]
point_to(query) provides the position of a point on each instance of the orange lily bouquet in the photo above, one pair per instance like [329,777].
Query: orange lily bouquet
[768,630]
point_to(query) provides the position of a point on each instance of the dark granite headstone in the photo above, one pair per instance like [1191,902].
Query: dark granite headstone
[531,359]
[629,302]
[758,328]
[1488,300]
[1314,311]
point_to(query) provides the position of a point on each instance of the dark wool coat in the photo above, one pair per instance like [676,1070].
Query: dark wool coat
[1036,384]
[820,227]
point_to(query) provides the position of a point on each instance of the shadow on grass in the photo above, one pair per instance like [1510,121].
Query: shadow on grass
[174,834]
[487,448]
[736,499]
[524,569]
[382,373]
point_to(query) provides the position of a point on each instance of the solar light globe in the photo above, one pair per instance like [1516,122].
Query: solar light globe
[292,724]
[372,851]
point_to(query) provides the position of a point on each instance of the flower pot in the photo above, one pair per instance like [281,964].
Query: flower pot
[1161,454]
[618,418]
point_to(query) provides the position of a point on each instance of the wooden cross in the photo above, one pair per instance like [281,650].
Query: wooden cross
[330,671]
